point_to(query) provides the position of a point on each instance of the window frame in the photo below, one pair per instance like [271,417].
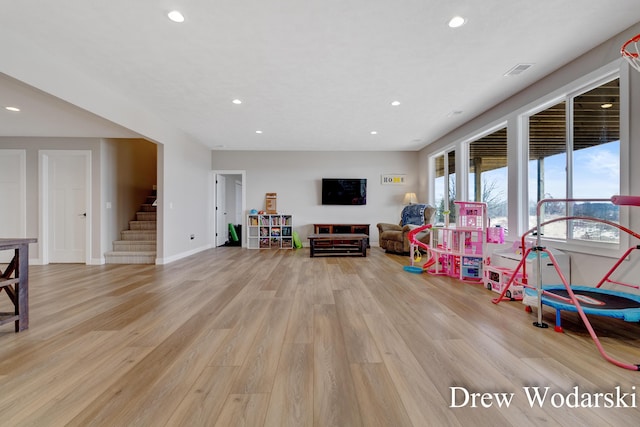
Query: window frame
[517,122]
[432,181]
[570,92]
[465,159]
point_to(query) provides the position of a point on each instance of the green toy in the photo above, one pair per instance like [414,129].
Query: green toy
[232,232]
[296,240]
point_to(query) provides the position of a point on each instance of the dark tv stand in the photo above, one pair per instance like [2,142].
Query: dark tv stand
[342,229]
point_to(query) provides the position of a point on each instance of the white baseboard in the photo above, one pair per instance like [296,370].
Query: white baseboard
[167,260]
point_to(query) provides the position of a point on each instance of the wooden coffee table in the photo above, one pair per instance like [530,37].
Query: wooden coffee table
[338,244]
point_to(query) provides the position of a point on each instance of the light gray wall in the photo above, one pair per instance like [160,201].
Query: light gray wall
[109,226]
[184,166]
[296,178]
[32,147]
[117,168]
[184,192]
[584,267]
[184,187]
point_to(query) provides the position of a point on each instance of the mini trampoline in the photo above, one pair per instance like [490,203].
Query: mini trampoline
[596,301]
[593,300]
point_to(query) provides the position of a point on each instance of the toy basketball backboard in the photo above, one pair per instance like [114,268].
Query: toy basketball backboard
[631,52]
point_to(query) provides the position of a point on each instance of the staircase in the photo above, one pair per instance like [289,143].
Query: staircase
[138,243]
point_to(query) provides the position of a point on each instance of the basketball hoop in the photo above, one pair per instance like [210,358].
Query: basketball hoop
[631,52]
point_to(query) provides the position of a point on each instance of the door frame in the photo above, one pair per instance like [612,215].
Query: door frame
[212,209]
[43,190]
[221,210]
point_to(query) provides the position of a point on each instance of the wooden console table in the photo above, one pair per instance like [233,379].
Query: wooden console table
[15,282]
[338,244]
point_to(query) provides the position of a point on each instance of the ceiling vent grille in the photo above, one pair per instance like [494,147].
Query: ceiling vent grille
[518,69]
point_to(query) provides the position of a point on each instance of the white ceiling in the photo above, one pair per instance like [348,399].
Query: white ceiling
[312,75]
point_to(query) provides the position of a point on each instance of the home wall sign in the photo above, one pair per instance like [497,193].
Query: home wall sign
[393,179]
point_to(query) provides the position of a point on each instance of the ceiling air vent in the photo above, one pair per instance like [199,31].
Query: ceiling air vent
[518,69]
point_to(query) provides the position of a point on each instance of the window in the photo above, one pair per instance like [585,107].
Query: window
[488,174]
[445,184]
[574,152]
[547,164]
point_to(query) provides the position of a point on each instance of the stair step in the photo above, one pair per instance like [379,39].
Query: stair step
[138,235]
[142,225]
[138,244]
[124,257]
[134,245]
[146,216]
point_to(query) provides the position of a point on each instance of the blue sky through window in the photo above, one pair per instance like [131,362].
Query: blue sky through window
[596,173]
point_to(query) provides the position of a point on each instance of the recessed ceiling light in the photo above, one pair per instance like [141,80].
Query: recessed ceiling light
[237,101]
[457,21]
[14,109]
[395,103]
[606,105]
[258,131]
[374,132]
[175,16]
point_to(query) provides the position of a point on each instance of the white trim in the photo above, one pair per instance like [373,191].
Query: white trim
[566,94]
[602,74]
[517,149]
[176,257]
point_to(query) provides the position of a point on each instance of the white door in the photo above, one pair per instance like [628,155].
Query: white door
[67,174]
[221,211]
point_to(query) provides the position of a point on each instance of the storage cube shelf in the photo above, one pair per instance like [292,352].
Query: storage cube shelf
[269,231]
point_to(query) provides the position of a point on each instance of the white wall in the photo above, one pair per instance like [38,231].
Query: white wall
[185,164]
[183,196]
[584,267]
[109,226]
[296,178]
[184,188]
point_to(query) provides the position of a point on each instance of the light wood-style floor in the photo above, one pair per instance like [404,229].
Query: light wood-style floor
[274,338]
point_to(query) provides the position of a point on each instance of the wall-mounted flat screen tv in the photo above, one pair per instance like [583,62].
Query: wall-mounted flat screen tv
[344,191]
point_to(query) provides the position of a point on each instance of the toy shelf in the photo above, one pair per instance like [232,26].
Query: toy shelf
[265,231]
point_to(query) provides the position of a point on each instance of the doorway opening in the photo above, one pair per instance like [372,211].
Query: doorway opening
[228,207]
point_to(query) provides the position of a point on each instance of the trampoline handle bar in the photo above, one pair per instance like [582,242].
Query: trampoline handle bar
[626,200]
